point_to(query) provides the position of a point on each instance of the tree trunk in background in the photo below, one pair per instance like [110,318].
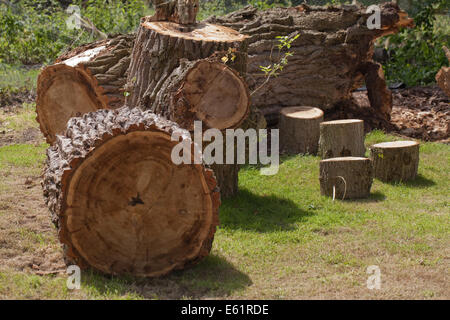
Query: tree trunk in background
[85,79]
[330,58]
[443,76]
[120,204]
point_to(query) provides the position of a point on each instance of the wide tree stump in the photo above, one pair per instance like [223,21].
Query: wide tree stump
[346,177]
[119,202]
[85,79]
[395,161]
[300,129]
[342,138]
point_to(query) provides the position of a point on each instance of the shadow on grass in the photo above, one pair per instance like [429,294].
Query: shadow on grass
[419,182]
[212,277]
[248,211]
[374,197]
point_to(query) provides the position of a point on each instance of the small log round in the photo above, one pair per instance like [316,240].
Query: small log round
[120,204]
[346,177]
[342,138]
[300,130]
[85,79]
[395,161]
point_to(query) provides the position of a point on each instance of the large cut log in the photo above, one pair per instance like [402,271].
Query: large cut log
[395,161]
[346,177]
[119,202]
[443,76]
[331,57]
[86,79]
[342,138]
[162,46]
[177,71]
[300,130]
[204,90]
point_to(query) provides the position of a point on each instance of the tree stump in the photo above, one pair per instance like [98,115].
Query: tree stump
[346,177]
[119,202]
[395,161]
[342,138]
[300,129]
[86,79]
[170,76]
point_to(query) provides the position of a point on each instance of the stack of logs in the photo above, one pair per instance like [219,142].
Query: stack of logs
[119,202]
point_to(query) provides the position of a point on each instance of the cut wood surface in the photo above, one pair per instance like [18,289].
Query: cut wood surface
[346,177]
[119,202]
[86,79]
[395,161]
[330,58]
[342,138]
[300,129]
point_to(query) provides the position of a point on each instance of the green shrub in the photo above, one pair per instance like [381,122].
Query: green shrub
[416,54]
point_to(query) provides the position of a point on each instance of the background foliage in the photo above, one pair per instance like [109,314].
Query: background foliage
[35,32]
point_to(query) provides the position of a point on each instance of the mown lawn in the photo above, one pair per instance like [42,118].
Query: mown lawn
[278,239]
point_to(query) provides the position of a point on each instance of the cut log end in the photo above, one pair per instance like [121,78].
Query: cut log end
[124,206]
[395,161]
[342,138]
[217,94]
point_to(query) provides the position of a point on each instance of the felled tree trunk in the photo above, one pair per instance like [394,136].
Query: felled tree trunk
[119,202]
[443,76]
[346,177]
[86,79]
[331,57]
[395,161]
[342,138]
[177,71]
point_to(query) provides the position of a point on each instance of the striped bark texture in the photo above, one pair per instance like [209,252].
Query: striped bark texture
[120,204]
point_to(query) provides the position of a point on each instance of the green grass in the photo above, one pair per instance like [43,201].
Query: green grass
[279,238]
[22,155]
[17,77]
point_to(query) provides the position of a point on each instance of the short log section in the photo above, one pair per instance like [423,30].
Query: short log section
[342,138]
[300,130]
[395,161]
[120,204]
[86,79]
[346,177]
